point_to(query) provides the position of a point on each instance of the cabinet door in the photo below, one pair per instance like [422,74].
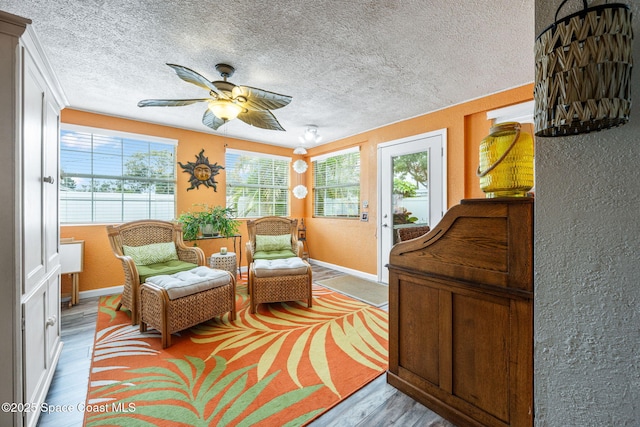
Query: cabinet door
[52,323]
[32,176]
[35,357]
[51,135]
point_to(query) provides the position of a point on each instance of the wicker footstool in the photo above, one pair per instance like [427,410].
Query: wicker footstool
[182,300]
[287,279]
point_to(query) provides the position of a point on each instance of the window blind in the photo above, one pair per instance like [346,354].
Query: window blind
[108,177]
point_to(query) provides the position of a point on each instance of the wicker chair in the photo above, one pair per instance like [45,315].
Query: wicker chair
[140,233]
[409,233]
[291,284]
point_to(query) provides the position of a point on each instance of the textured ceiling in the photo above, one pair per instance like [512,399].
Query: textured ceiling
[350,65]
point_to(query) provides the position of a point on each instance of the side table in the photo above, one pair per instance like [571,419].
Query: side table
[226,262]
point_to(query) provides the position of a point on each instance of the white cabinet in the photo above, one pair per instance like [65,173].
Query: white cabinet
[30,103]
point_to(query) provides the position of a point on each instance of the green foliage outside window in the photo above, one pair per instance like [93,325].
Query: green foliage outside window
[336,187]
[257,185]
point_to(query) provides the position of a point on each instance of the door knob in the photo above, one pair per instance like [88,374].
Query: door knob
[48,179]
[385,225]
[51,321]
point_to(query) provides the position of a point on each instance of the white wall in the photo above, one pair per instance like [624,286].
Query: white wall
[587,267]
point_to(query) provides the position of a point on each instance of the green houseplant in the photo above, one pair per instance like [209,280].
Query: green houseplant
[209,221]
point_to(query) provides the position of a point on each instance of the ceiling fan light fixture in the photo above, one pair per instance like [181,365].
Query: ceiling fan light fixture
[225,109]
[227,101]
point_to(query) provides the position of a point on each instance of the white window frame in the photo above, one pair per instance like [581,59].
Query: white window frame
[350,213]
[151,198]
[260,209]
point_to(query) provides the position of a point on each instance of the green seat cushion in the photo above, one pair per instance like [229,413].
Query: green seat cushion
[163,268]
[286,253]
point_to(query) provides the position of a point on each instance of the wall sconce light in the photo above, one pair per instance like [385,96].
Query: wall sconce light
[583,71]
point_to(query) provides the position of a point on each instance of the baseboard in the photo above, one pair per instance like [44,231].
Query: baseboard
[118,289]
[346,270]
[101,292]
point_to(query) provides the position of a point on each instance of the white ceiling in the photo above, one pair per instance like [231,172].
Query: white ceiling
[350,65]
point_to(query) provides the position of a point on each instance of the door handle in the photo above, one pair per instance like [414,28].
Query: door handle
[48,179]
[385,225]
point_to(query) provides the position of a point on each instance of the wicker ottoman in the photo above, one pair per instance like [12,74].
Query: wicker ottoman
[182,300]
[287,279]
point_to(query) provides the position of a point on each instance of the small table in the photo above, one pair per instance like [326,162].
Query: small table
[226,262]
[71,256]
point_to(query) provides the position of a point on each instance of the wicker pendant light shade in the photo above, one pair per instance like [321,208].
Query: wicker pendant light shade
[583,71]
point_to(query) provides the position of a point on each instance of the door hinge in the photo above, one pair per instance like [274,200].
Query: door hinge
[22,321]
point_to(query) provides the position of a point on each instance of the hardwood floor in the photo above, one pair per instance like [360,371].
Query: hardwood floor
[376,404]
[71,379]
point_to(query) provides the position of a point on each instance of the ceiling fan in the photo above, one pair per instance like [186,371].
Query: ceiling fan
[227,101]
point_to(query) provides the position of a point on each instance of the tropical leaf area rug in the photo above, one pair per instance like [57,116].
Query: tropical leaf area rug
[283,366]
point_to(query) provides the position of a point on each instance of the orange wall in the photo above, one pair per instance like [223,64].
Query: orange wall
[348,243]
[352,243]
[100,267]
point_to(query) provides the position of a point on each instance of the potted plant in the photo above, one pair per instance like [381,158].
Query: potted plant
[190,225]
[223,220]
[209,222]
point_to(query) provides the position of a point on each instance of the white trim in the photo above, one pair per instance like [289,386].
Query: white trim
[346,270]
[118,134]
[257,154]
[439,132]
[113,290]
[335,153]
[442,132]
[521,113]
[42,61]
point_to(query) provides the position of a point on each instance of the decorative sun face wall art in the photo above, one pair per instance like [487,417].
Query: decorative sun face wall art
[201,172]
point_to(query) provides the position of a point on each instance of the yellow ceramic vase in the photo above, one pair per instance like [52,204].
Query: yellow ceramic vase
[506,161]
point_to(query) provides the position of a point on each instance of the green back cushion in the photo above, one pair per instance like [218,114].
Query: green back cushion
[268,243]
[287,253]
[163,268]
[151,254]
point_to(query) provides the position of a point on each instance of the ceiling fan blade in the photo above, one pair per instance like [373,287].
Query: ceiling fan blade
[209,119]
[258,99]
[260,118]
[188,75]
[169,102]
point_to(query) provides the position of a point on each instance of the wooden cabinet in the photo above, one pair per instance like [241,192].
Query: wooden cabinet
[461,314]
[29,259]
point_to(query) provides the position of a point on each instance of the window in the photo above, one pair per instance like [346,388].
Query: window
[336,184]
[257,184]
[108,176]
